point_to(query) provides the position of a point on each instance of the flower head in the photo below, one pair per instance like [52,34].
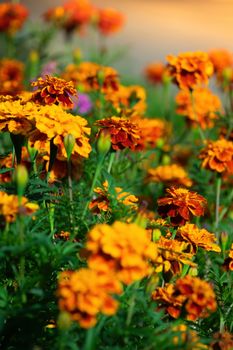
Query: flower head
[12,17]
[52,90]
[155,72]
[109,21]
[180,204]
[172,175]
[221,59]
[11,76]
[190,69]
[228,263]
[123,132]
[218,156]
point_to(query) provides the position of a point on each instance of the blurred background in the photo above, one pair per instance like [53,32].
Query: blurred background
[155,28]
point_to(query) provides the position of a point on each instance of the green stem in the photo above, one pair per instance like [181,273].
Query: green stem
[70,189]
[111,161]
[132,303]
[201,133]
[217,203]
[89,341]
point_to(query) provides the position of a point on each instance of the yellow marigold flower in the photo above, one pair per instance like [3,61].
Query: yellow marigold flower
[171,175]
[188,338]
[86,293]
[180,204]
[123,248]
[228,263]
[218,156]
[195,296]
[102,201]
[53,123]
[11,76]
[52,90]
[128,100]
[172,256]
[204,109]
[92,76]
[198,237]
[123,132]
[9,207]
[12,17]
[190,69]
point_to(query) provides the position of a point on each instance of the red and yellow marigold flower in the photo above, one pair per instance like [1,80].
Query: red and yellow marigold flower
[203,110]
[85,293]
[195,296]
[171,175]
[109,21]
[123,248]
[11,76]
[10,208]
[190,69]
[228,263]
[123,132]
[198,237]
[180,205]
[218,156]
[102,201]
[12,17]
[52,90]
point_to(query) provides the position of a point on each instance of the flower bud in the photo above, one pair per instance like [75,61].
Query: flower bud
[160,143]
[156,234]
[21,179]
[69,142]
[32,152]
[141,221]
[100,77]
[166,160]
[104,142]
[193,271]
[64,320]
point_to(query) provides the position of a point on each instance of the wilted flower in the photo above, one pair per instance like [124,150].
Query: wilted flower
[218,156]
[52,90]
[11,76]
[172,174]
[86,293]
[190,69]
[198,237]
[12,17]
[203,110]
[124,133]
[123,248]
[180,204]
[109,21]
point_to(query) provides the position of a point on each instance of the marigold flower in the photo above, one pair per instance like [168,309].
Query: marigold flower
[228,263]
[123,248]
[10,208]
[52,90]
[12,17]
[155,72]
[218,156]
[11,76]
[7,162]
[203,110]
[180,204]
[198,237]
[190,69]
[192,294]
[102,201]
[221,60]
[222,341]
[109,21]
[123,132]
[86,293]
[172,174]
[188,338]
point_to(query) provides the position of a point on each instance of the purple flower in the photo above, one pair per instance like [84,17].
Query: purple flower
[49,68]
[83,103]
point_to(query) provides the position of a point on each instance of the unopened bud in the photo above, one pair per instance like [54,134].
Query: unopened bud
[141,221]
[100,77]
[166,160]
[21,179]
[160,143]
[193,272]
[227,74]
[104,142]
[156,234]
[32,152]
[69,142]
[64,320]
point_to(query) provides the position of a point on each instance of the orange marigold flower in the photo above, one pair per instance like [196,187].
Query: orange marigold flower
[198,237]
[228,263]
[7,162]
[92,76]
[12,17]
[172,174]
[86,293]
[52,90]
[123,248]
[11,76]
[222,341]
[218,156]
[10,208]
[156,72]
[109,21]
[103,199]
[221,60]
[190,69]
[187,338]
[63,235]
[192,294]
[123,132]
[128,100]
[203,110]
[180,204]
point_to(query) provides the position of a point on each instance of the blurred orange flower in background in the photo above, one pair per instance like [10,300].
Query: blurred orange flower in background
[12,17]
[109,21]
[11,76]
[156,72]
[172,174]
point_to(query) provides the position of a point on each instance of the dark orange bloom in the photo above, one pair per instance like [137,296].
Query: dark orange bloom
[109,21]
[180,204]
[123,132]
[11,76]
[52,90]
[190,69]
[228,263]
[155,72]
[203,110]
[222,341]
[7,162]
[218,156]
[12,17]
[221,60]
